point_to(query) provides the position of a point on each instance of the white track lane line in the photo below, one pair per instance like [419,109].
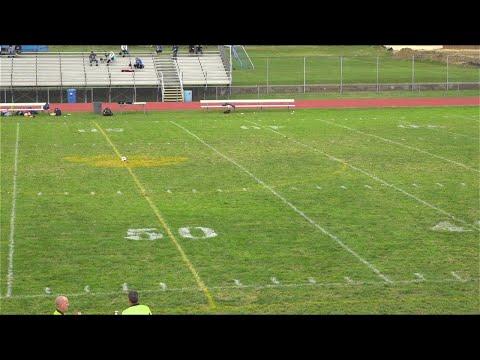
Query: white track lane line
[337,240]
[403,145]
[11,243]
[377,179]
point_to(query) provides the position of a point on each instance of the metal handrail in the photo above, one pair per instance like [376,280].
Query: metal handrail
[60,65]
[84,70]
[203,72]
[178,74]
[163,85]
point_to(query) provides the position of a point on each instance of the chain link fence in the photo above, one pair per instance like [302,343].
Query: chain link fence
[294,76]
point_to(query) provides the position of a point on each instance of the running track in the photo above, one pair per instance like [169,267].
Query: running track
[299,104]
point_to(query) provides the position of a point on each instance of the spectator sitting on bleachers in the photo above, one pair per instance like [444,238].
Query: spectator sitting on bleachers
[110,58]
[124,50]
[191,49]
[93,58]
[198,49]
[11,51]
[159,49]
[18,49]
[175,50]
[138,63]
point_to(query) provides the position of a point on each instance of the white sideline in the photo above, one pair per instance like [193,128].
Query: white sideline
[345,247]
[310,283]
[11,243]
[400,144]
[375,178]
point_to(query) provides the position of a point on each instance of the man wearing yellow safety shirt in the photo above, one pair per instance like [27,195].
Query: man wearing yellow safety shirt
[135,308]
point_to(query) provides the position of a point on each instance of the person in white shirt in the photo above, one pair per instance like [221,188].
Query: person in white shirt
[124,50]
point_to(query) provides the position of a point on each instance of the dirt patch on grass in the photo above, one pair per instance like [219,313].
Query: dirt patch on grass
[455,57]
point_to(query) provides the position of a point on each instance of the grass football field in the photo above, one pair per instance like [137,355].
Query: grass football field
[358,211]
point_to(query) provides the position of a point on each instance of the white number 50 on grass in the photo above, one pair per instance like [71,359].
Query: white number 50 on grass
[185,232]
[143,234]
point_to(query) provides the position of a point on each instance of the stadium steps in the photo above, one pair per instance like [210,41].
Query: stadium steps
[173,89]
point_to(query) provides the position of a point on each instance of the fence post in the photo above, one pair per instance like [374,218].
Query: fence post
[267,73]
[258,92]
[341,74]
[304,75]
[413,71]
[447,72]
[378,87]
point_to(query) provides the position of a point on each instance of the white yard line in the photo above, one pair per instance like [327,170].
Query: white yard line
[293,207]
[11,243]
[403,145]
[377,179]
[310,284]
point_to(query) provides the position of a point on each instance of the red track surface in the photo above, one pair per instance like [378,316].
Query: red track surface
[299,104]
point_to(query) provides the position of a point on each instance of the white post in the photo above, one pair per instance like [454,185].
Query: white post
[341,74]
[447,72]
[304,77]
[231,73]
[267,74]
[377,77]
[413,71]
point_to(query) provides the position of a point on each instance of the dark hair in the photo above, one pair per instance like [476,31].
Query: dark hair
[133,297]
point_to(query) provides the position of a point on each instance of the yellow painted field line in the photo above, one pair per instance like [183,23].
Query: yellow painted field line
[162,222]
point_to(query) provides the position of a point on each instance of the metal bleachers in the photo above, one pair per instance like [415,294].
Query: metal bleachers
[207,69]
[28,70]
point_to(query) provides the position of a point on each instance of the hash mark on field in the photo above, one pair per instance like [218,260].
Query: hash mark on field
[368,186]
[244,189]
[125,287]
[119,192]
[312,280]
[456,276]
[419,276]
[463,184]
[169,191]
[260,287]
[415,185]
[163,286]
[348,280]
[40,193]
[219,190]
[343,187]
[237,282]
[318,187]
[194,191]
[439,184]
[66,192]
[275,281]
[289,204]
[48,291]
[92,193]
[86,289]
